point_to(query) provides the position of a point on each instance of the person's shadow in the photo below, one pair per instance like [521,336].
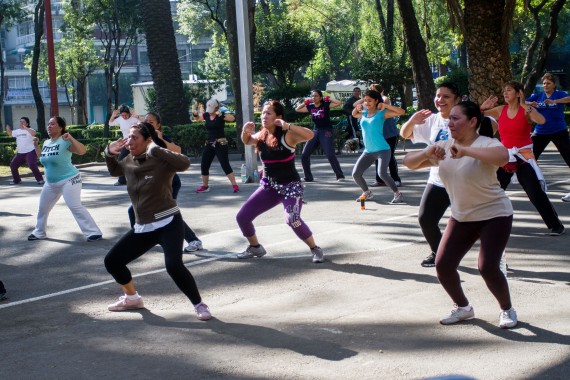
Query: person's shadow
[259,335]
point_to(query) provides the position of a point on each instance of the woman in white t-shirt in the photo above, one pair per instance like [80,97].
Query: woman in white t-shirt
[428,128]
[480,209]
[25,151]
[124,117]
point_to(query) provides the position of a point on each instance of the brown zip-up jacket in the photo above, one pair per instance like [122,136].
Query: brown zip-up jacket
[149,181]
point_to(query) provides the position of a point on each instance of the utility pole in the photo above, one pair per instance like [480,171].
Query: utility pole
[246,81]
[54,106]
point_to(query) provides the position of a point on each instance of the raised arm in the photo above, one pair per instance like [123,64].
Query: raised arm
[407,130]
[295,133]
[8,130]
[424,158]
[75,147]
[493,155]
[247,133]
[391,111]
[303,106]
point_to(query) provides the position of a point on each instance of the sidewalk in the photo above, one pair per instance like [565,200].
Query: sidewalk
[369,312]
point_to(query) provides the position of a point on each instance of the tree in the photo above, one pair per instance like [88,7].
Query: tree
[417,48]
[163,59]
[282,50]
[486,28]
[531,72]
[118,23]
[11,12]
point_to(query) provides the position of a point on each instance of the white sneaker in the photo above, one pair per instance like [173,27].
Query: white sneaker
[458,314]
[318,255]
[252,252]
[508,318]
[566,198]
[398,198]
[193,246]
[366,195]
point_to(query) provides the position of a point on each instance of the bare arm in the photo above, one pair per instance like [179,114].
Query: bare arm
[169,145]
[247,133]
[533,115]
[229,117]
[8,130]
[335,103]
[302,108]
[357,111]
[295,133]
[31,131]
[407,130]
[391,111]
[37,146]
[558,101]
[75,147]
[424,158]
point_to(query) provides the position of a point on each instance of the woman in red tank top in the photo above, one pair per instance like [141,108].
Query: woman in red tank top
[515,123]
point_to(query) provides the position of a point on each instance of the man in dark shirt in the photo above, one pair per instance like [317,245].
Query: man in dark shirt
[352,127]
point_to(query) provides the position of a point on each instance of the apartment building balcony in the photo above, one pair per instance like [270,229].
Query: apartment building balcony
[25,96]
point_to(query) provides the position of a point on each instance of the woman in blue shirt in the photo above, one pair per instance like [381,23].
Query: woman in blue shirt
[550,104]
[372,114]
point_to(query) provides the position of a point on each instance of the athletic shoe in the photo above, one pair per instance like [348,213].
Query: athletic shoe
[34,237]
[202,312]
[193,246]
[429,261]
[236,188]
[367,195]
[308,180]
[566,198]
[93,238]
[340,179]
[318,255]
[377,184]
[3,296]
[398,198]
[508,318]
[252,251]
[203,189]
[119,184]
[126,304]
[458,314]
[41,182]
[556,231]
[15,183]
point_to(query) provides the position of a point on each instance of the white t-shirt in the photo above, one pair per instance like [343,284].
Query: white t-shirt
[432,130]
[125,125]
[24,140]
[472,185]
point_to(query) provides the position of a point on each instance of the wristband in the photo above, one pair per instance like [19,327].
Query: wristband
[327,99]
[307,102]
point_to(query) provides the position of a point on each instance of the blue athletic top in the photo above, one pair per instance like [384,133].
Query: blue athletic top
[372,132]
[553,113]
[56,159]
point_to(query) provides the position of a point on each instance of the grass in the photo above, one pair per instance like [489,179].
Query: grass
[5,170]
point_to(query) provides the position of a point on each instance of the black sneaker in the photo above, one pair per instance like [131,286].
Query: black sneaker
[429,261]
[94,238]
[3,296]
[556,231]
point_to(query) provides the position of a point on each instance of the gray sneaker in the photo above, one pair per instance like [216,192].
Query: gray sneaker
[457,314]
[252,252]
[508,318]
[318,255]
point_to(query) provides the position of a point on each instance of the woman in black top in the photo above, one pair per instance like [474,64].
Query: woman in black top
[216,145]
[319,108]
[280,183]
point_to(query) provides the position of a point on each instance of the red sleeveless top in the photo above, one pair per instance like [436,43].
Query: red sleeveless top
[515,131]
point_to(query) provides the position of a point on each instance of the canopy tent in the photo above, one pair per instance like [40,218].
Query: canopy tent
[342,89]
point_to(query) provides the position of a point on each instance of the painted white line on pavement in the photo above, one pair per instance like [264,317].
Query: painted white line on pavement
[210,258]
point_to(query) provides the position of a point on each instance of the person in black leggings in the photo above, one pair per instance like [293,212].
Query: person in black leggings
[149,170]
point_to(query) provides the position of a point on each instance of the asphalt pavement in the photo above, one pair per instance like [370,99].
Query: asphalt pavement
[370,311]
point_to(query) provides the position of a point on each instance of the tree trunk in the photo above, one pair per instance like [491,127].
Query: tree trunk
[540,65]
[81,105]
[417,48]
[489,58]
[39,13]
[172,103]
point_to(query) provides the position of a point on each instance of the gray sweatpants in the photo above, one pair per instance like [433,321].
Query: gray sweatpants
[366,160]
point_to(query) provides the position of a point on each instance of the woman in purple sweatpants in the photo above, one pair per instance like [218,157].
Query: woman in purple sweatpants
[25,151]
[281,182]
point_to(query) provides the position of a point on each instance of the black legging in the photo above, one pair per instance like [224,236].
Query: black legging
[393,165]
[560,139]
[458,239]
[530,184]
[433,204]
[132,246]
[216,150]
[189,235]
